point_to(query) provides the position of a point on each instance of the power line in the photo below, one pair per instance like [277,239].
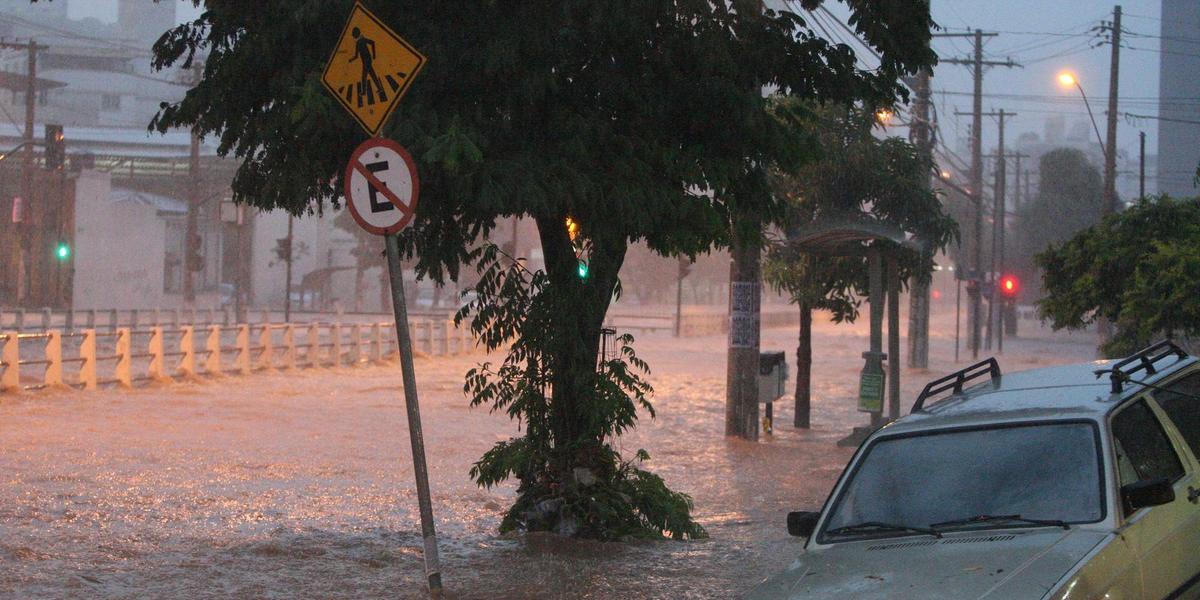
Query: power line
[13,19]
[1171,38]
[1160,51]
[1086,46]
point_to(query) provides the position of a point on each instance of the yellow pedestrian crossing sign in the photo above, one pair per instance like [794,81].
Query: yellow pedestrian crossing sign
[370,69]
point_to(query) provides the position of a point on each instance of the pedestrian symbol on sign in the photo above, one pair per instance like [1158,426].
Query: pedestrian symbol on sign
[364,53]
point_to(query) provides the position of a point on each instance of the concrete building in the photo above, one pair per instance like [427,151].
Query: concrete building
[1179,98]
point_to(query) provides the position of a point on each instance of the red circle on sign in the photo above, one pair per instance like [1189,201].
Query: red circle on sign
[408,212]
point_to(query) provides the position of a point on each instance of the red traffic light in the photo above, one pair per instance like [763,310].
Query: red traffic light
[1009,286]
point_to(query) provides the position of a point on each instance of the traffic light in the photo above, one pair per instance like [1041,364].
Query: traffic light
[572,229]
[195,262]
[62,251]
[580,251]
[56,147]
[1009,286]
[283,249]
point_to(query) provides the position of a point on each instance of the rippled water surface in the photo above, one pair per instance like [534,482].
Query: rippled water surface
[299,485]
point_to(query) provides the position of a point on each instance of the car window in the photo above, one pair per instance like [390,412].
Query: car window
[1180,399]
[1043,471]
[1142,444]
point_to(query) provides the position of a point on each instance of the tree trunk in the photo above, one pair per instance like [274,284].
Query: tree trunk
[804,368]
[581,305]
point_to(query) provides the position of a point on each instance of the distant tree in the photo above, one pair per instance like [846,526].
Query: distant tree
[640,121]
[858,177]
[1138,268]
[367,253]
[1070,194]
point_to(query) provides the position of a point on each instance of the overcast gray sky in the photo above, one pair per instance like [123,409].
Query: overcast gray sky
[1044,35]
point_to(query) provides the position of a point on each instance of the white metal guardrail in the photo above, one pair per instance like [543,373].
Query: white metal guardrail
[87,358]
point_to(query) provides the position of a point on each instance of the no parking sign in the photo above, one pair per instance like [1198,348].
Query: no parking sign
[381,186]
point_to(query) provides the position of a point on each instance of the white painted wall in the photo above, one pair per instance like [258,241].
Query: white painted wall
[119,251]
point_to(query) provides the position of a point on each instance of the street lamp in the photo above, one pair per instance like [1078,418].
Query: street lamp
[1067,79]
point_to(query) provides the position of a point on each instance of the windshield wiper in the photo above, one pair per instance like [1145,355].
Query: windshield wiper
[990,518]
[880,526]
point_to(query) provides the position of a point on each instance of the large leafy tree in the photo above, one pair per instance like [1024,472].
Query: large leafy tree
[640,121]
[1069,196]
[858,177]
[1137,268]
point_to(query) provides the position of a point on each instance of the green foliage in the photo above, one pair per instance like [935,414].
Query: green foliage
[1069,197]
[858,178]
[609,497]
[1138,268]
[644,122]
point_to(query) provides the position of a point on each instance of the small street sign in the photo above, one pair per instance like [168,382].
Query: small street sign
[371,69]
[381,186]
[870,392]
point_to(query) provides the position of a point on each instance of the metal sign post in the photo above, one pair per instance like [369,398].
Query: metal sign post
[433,571]
[381,190]
[370,70]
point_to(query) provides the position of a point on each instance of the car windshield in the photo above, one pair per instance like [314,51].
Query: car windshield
[1037,472]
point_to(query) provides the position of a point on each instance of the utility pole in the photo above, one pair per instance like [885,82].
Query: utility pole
[977,64]
[1017,197]
[745,298]
[17,247]
[920,133]
[192,262]
[1110,147]
[191,235]
[1141,165]
[996,313]
[685,267]
[998,215]
[287,290]
[998,202]
[745,316]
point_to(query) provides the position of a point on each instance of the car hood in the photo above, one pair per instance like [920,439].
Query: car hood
[993,564]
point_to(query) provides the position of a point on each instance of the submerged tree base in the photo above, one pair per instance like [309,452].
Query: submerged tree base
[572,481]
[627,503]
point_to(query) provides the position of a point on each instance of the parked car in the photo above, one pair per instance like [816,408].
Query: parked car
[1068,482]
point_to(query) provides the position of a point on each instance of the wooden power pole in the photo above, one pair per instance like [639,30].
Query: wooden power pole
[921,133]
[977,64]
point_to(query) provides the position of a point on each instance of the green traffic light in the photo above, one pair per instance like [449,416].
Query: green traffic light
[63,252]
[583,269]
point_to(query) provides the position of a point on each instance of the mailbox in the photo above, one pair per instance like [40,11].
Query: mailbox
[772,376]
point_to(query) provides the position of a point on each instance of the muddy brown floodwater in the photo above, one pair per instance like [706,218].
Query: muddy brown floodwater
[299,485]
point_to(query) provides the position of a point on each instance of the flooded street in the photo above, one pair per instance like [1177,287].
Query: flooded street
[299,485]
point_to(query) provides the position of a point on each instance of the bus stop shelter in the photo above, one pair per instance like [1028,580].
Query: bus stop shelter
[855,237]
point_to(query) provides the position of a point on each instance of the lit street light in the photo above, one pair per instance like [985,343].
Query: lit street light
[1067,79]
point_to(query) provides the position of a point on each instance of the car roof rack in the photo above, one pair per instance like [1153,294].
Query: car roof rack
[956,380]
[1142,360]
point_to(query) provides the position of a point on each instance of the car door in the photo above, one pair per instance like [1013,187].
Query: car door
[1179,401]
[1157,534]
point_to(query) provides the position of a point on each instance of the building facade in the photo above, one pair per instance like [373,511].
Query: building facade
[1179,98]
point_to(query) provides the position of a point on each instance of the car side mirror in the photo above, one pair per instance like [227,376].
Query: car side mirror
[1148,492]
[802,524]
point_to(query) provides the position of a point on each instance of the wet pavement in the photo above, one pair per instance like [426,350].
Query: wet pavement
[299,485]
